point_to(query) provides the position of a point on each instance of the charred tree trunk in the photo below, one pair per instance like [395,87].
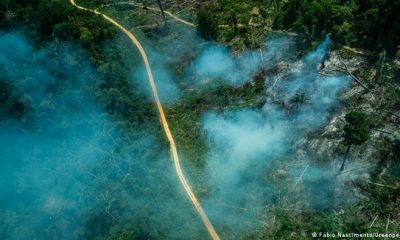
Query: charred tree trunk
[382,59]
[162,12]
[345,157]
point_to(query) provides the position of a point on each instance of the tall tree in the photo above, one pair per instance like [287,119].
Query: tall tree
[356,131]
[207,23]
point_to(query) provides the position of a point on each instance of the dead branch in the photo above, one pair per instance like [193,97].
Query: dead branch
[382,131]
[373,221]
[347,70]
[380,184]
[387,223]
[300,177]
[358,51]
[382,64]
[384,110]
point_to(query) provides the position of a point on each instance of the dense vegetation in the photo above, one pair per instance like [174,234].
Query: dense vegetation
[366,24]
[46,20]
[373,25]
[356,131]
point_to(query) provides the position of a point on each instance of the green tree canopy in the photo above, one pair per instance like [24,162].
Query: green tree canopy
[356,130]
[207,24]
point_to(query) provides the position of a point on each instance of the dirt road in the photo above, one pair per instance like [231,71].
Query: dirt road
[163,119]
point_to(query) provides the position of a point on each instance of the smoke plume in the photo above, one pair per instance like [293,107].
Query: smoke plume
[249,146]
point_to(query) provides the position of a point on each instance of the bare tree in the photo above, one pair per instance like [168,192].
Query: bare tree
[162,12]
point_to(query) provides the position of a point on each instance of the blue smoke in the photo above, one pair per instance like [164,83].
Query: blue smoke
[247,145]
[68,171]
[217,62]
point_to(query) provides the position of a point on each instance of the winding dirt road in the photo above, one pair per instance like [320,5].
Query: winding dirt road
[164,123]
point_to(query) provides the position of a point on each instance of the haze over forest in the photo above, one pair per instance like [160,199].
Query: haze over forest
[210,119]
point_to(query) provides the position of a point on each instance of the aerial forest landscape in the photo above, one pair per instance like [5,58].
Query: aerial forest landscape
[199,119]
